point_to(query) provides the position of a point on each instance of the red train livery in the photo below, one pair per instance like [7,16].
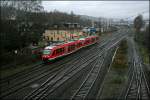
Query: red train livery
[59,50]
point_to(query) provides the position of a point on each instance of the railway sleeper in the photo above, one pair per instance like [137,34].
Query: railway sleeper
[58,91]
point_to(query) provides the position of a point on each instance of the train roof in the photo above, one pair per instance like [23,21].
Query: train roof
[49,47]
[57,45]
[82,39]
[63,43]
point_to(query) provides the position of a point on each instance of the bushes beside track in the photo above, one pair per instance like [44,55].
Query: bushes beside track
[120,60]
[24,56]
[116,78]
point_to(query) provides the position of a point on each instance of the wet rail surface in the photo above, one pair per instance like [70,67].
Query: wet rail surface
[53,87]
[27,79]
[108,42]
[46,72]
[138,87]
[36,67]
[89,87]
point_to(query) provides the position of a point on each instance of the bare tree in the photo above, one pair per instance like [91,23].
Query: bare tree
[138,23]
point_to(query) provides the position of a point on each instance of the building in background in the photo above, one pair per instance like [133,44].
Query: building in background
[63,32]
[61,35]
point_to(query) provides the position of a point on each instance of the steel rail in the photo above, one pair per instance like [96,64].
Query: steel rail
[110,47]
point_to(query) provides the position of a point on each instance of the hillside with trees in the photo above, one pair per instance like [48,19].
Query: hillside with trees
[142,36]
[23,23]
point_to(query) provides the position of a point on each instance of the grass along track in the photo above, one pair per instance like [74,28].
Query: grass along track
[115,78]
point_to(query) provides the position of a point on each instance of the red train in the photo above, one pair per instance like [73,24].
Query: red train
[59,50]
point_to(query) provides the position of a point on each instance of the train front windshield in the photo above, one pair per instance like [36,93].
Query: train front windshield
[46,52]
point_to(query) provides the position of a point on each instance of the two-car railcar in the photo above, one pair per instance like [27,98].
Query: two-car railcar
[59,50]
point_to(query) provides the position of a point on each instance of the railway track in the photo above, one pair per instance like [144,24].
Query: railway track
[79,85]
[43,76]
[44,72]
[28,81]
[89,80]
[137,88]
[26,72]
[14,76]
[51,87]
[29,70]
[60,76]
[99,92]
[89,87]
[62,79]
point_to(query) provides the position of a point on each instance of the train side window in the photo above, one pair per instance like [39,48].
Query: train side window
[72,47]
[69,47]
[92,40]
[62,50]
[57,51]
[53,52]
[78,44]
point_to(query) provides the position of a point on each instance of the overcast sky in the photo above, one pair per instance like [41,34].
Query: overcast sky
[109,9]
